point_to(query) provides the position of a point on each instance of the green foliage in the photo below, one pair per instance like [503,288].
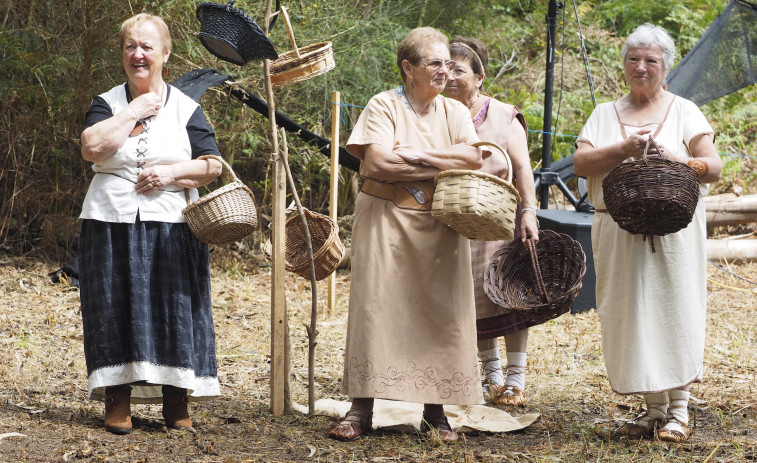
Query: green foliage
[54,60]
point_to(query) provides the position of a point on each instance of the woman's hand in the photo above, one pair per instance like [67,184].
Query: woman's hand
[155,177]
[146,105]
[529,227]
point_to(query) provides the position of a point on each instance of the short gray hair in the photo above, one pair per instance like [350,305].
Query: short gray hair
[649,34]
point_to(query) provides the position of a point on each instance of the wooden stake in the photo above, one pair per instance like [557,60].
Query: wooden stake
[279,324]
[334,191]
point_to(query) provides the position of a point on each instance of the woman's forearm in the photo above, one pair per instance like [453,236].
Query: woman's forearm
[101,140]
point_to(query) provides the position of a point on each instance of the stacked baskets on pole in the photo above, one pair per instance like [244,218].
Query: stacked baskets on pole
[540,280]
[477,205]
[225,215]
[300,63]
[652,195]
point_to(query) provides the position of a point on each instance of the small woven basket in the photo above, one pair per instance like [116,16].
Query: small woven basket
[652,195]
[231,35]
[300,63]
[328,249]
[540,280]
[224,215]
[477,205]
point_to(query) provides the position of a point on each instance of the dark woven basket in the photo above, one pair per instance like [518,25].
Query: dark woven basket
[540,280]
[231,35]
[328,249]
[652,195]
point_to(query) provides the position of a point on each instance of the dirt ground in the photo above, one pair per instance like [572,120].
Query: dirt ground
[45,414]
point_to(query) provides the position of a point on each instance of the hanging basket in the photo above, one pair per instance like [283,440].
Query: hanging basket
[328,249]
[300,63]
[231,35]
[652,195]
[477,205]
[540,280]
[224,215]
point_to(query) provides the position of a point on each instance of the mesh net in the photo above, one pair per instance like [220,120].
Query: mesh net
[723,60]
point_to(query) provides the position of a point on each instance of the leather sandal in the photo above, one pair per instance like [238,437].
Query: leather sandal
[439,425]
[118,412]
[352,426]
[507,395]
[642,426]
[674,431]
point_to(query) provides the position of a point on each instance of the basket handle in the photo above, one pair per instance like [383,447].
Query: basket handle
[650,141]
[536,269]
[226,167]
[507,157]
[290,32]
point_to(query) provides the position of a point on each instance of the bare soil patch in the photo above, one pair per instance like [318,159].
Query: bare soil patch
[46,416]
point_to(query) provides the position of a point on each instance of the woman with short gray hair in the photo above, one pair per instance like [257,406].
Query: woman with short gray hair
[652,306]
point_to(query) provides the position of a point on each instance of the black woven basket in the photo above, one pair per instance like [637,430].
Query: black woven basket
[540,280]
[652,195]
[231,35]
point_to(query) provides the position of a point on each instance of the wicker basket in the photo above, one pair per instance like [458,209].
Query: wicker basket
[540,280]
[477,205]
[328,249]
[300,63]
[231,35]
[652,195]
[224,215]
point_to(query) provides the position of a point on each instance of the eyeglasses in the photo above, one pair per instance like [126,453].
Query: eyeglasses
[459,72]
[436,64]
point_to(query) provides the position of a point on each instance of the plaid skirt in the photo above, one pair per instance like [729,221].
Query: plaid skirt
[146,310]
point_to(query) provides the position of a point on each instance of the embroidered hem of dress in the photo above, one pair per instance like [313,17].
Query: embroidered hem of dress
[198,388]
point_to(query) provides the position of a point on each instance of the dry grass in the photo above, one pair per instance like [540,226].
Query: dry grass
[43,385]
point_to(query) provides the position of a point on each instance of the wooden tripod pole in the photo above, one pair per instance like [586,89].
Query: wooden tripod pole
[334,191]
[279,326]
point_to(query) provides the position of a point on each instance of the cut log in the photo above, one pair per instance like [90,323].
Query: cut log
[729,209]
[732,250]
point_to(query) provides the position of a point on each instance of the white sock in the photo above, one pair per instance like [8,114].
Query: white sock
[491,366]
[657,405]
[679,405]
[516,369]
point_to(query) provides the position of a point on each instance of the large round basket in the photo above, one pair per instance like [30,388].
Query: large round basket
[652,195]
[477,205]
[540,280]
[231,35]
[224,215]
[328,249]
[300,63]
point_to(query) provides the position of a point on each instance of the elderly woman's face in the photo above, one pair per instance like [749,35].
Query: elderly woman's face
[143,52]
[433,69]
[644,68]
[463,83]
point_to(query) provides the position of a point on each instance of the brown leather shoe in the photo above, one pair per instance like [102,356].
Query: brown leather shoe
[175,412]
[352,426]
[118,412]
[674,431]
[642,426]
[440,425]
[507,395]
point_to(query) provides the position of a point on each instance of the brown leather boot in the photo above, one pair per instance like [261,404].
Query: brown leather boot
[118,410]
[175,408]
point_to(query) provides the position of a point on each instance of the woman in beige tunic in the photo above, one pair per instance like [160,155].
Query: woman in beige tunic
[503,124]
[652,306]
[411,332]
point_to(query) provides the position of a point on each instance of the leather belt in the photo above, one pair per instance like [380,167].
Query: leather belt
[417,196]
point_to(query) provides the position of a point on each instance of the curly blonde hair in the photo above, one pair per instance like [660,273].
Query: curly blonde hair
[129,24]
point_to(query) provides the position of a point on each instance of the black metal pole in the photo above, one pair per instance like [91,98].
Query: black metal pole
[548,90]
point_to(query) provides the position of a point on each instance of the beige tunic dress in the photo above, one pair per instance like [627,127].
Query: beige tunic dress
[493,124]
[411,331]
[652,306]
